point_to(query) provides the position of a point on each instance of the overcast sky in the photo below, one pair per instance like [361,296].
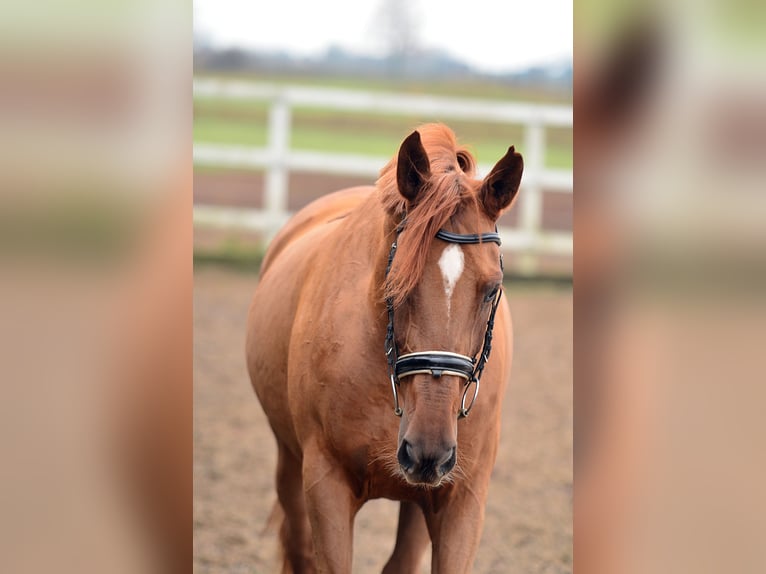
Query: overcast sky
[492,35]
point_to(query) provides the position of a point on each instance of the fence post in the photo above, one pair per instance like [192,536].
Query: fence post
[275,197]
[531,216]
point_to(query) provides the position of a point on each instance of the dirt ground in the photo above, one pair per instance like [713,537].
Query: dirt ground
[528,527]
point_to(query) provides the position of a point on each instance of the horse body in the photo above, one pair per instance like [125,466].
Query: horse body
[315,356]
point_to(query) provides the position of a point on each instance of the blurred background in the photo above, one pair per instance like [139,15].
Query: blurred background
[285,111]
[298,99]
[95,295]
[669,314]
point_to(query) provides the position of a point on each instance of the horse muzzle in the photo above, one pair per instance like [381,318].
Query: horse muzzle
[424,466]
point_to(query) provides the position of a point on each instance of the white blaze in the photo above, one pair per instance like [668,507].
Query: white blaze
[451,265]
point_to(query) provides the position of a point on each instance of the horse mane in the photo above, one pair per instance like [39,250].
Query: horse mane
[447,191]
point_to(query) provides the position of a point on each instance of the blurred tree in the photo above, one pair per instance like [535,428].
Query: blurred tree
[396,24]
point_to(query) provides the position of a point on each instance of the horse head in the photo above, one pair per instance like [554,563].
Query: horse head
[442,291]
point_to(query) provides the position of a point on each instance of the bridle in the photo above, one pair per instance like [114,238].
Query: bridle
[438,363]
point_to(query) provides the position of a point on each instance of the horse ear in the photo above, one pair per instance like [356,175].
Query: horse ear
[413,168]
[502,184]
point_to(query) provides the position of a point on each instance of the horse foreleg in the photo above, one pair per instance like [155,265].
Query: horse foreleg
[295,533]
[411,540]
[456,531]
[331,508]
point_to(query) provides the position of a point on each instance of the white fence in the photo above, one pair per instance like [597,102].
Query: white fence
[277,159]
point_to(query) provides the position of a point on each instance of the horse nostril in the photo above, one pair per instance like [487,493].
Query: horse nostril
[405,455]
[410,451]
[447,463]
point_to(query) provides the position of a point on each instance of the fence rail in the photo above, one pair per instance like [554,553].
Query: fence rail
[277,159]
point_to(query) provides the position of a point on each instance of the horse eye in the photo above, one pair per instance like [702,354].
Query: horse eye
[491,294]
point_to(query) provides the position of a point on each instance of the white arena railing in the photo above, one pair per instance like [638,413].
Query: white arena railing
[528,240]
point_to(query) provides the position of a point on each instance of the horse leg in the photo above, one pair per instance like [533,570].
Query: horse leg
[295,532]
[411,540]
[331,508]
[456,531]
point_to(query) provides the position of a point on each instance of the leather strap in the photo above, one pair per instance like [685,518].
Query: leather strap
[436,363]
[467,238]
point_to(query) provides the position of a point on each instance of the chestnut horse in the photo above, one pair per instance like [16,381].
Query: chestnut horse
[374,289]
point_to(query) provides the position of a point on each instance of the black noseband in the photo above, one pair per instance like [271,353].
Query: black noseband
[438,363]
[435,363]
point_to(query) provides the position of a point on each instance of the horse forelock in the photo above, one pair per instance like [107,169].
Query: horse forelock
[447,193]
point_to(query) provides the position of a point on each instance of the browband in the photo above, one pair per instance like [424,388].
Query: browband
[467,238]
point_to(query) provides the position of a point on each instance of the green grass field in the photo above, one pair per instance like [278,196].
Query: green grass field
[245,123]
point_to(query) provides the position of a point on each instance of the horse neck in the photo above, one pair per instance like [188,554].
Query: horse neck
[379,229]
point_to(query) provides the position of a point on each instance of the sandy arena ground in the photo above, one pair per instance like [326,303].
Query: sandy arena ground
[528,526]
